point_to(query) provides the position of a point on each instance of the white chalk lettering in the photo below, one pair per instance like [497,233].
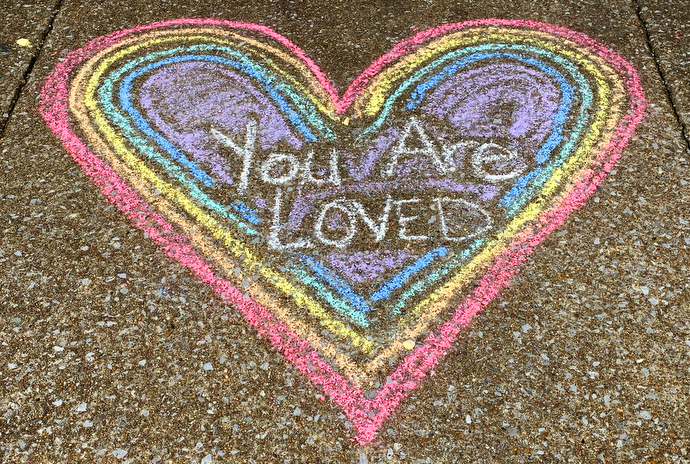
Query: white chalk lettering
[496,154]
[402,148]
[246,152]
[333,170]
[379,229]
[489,161]
[351,226]
[274,162]
[468,207]
[273,236]
[404,220]
[337,222]
[448,152]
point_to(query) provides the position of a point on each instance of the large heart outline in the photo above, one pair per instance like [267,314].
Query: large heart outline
[365,414]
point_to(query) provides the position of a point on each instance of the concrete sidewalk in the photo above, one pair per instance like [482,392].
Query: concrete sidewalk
[23,29]
[111,351]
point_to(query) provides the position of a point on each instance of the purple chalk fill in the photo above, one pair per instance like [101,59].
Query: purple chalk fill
[471,102]
[366,266]
[184,101]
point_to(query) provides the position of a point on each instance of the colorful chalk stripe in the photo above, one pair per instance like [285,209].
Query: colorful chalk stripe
[146,112]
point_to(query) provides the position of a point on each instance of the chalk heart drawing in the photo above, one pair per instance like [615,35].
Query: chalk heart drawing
[358,233]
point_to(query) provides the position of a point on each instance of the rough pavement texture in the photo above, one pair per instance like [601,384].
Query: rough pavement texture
[29,20]
[668,26]
[112,353]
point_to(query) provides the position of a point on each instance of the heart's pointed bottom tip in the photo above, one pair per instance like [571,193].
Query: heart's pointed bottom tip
[365,438]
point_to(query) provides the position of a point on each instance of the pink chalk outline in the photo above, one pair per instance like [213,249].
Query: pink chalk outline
[366,415]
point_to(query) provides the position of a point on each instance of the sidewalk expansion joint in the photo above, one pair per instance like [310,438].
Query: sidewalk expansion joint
[683,128]
[29,69]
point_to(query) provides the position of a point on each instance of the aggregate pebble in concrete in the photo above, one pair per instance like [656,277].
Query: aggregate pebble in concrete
[20,21]
[668,24]
[112,353]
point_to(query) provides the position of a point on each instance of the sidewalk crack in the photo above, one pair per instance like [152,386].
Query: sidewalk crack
[29,69]
[683,128]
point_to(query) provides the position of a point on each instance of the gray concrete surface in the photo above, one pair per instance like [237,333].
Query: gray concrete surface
[584,358]
[28,20]
[668,26]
